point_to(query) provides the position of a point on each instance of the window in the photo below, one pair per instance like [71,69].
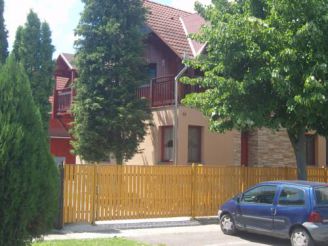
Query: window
[321,195]
[262,194]
[59,160]
[310,150]
[194,143]
[291,197]
[152,71]
[167,143]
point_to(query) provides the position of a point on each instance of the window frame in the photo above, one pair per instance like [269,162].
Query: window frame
[162,130]
[200,136]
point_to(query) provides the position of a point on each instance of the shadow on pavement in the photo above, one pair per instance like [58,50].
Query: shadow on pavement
[265,240]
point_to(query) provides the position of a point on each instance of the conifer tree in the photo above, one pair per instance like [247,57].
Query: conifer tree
[109,118]
[28,175]
[33,48]
[3,35]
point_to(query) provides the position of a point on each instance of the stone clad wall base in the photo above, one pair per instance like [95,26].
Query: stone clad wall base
[270,148]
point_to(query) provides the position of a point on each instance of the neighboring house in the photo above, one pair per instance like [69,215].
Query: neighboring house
[61,116]
[177,129]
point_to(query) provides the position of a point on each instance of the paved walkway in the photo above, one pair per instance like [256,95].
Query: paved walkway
[130,228]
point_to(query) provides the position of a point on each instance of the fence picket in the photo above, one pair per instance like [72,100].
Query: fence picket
[100,192]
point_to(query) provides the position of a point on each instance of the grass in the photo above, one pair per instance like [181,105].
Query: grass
[91,242]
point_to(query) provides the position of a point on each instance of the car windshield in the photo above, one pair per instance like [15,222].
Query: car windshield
[321,194]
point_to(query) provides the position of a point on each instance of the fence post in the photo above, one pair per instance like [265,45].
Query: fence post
[192,190]
[244,178]
[59,223]
[94,193]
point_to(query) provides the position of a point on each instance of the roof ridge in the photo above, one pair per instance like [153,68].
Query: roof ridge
[167,6]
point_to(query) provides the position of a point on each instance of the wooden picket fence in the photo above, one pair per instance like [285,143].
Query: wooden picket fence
[106,192]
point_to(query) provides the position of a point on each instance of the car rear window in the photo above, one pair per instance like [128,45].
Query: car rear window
[321,195]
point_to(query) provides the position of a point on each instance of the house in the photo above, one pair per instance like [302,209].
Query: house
[179,134]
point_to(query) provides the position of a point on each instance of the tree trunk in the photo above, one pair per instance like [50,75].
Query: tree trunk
[298,141]
[119,159]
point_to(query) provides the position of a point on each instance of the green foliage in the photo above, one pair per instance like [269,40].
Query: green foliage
[28,175]
[266,66]
[109,118]
[3,35]
[33,48]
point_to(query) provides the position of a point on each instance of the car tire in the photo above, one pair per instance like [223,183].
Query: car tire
[300,237]
[227,225]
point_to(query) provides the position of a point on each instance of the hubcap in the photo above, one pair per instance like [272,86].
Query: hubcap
[300,239]
[227,224]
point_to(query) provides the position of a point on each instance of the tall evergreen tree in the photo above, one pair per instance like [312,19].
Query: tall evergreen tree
[28,175]
[265,66]
[109,118]
[33,48]
[3,35]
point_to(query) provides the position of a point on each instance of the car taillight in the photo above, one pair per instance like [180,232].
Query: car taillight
[314,217]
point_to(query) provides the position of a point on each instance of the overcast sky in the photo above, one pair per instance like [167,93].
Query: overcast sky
[62,16]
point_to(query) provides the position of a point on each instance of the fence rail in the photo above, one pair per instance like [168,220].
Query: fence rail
[102,192]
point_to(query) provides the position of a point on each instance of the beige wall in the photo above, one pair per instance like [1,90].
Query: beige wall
[216,148]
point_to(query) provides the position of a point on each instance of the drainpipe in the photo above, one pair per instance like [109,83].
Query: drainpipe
[176,106]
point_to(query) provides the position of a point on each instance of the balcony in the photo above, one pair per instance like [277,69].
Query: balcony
[160,91]
[63,100]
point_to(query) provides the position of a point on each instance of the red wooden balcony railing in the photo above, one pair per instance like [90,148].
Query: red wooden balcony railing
[160,91]
[64,100]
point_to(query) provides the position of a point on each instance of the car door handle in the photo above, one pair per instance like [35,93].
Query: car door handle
[274,211]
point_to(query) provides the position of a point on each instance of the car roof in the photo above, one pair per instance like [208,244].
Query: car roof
[296,182]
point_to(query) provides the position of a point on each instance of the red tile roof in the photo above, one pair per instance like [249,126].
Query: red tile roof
[192,24]
[172,26]
[169,25]
[61,82]
[69,58]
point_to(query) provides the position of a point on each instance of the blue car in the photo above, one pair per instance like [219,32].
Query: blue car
[297,210]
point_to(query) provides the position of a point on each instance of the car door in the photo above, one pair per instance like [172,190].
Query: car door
[255,212]
[291,209]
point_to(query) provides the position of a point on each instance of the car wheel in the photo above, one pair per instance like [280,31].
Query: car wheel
[227,225]
[301,237]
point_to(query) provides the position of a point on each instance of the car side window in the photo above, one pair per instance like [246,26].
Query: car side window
[290,196]
[262,194]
